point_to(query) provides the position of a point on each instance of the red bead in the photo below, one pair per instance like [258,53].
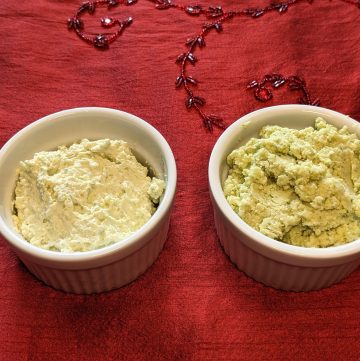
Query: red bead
[107,22]
[113,2]
[101,41]
[193,10]
[263,94]
[75,23]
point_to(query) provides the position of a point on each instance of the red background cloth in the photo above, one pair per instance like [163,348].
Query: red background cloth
[192,304]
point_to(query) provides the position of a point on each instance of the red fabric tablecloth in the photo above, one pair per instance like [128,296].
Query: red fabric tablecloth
[192,304]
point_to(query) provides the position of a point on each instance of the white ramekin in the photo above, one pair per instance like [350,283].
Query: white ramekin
[271,262]
[112,266]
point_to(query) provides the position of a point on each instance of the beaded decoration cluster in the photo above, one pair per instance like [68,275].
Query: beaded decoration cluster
[215,18]
[102,40]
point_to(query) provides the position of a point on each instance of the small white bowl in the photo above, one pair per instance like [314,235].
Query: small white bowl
[266,260]
[112,266]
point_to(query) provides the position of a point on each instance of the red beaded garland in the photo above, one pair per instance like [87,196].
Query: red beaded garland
[263,93]
[216,17]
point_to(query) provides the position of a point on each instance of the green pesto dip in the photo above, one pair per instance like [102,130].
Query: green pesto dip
[301,187]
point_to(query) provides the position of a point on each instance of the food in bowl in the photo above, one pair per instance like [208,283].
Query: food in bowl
[104,268]
[83,197]
[269,261]
[301,187]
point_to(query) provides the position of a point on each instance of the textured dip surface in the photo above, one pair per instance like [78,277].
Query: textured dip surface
[298,186]
[83,197]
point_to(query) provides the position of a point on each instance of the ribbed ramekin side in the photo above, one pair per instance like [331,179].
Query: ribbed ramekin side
[273,273]
[104,278]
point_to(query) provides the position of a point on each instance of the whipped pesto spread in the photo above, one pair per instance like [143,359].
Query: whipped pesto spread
[83,197]
[301,187]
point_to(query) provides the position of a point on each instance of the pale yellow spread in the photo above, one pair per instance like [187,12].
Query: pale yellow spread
[301,187]
[83,197]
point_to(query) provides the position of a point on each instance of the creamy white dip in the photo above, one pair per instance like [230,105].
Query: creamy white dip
[83,197]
